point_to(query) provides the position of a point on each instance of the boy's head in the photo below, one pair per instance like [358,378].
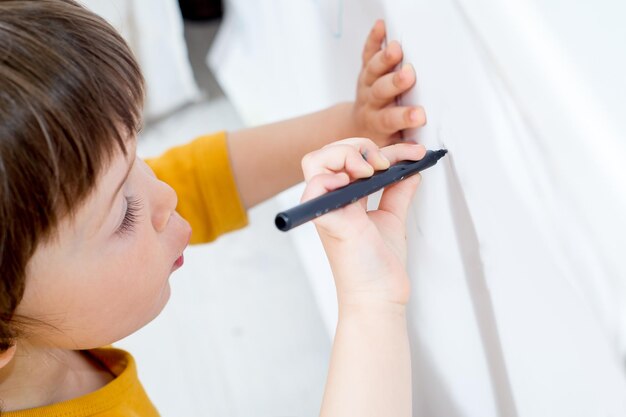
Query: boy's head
[83,224]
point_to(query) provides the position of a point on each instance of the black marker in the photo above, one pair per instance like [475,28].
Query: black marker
[353,192]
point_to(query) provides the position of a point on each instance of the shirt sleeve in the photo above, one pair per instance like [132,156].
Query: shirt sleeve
[201,174]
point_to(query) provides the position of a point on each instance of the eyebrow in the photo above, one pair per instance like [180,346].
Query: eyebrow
[121,184]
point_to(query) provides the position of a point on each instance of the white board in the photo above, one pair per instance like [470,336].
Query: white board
[516,238]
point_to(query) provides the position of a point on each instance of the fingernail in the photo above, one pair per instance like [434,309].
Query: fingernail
[414,115]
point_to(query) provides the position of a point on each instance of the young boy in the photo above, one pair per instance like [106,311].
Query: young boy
[90,235]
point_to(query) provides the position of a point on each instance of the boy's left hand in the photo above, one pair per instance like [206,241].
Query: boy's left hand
[375,112]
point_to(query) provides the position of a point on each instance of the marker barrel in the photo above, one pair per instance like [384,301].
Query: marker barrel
[354,191]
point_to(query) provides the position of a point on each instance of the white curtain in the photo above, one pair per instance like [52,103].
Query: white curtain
[154,30]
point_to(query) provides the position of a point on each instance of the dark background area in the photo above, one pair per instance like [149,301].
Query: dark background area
[201,10]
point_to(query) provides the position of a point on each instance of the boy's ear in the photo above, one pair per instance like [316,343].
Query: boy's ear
[7,355]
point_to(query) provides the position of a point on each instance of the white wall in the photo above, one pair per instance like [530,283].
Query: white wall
[516,238]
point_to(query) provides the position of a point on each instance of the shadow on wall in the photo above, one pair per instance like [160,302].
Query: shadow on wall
[479,292]
[428,383]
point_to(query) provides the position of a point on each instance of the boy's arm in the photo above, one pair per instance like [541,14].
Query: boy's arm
[370,367]
[266,159]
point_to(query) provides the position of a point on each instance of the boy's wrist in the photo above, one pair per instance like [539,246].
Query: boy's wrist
[371,308]
[344,113]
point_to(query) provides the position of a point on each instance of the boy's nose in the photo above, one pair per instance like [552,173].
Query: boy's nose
[164,204]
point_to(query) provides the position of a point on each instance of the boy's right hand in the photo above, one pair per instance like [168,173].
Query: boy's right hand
[366,250]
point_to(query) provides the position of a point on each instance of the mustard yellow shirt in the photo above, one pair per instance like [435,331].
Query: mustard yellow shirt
[202,176]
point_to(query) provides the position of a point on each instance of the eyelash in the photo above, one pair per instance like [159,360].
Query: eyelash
[133,205]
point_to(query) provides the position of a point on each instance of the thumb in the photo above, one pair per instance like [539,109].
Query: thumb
[397,198]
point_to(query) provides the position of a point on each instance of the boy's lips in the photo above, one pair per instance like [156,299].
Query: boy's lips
[181,259]
[178,263]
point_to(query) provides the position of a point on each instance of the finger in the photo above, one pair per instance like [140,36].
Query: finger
[397,198]
[359,157]
[324,183]
[337,158]
[374,41]
[382,62]
[333,222]
[385,89]
[403,152]
[395,118]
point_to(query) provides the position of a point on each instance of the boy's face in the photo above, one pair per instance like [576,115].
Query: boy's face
[107,273]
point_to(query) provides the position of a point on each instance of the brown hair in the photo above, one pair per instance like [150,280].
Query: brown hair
[70,94]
